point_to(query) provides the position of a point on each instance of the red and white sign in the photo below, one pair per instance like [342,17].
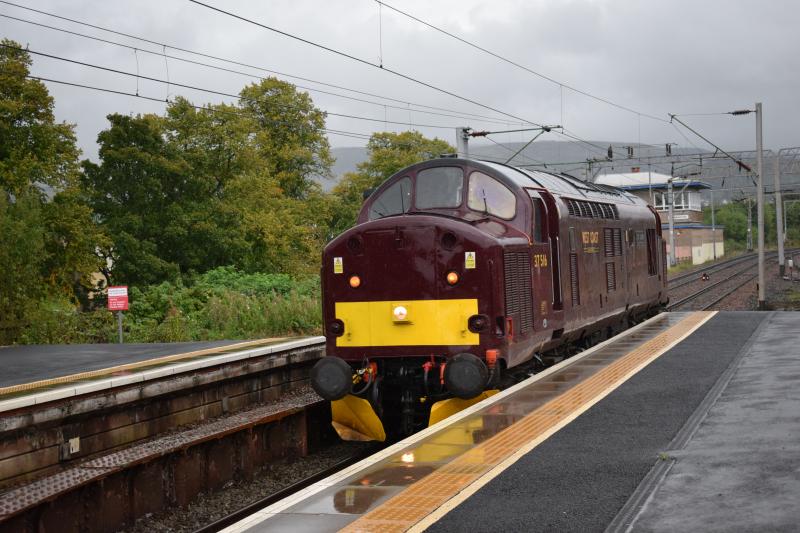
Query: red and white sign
[118,298]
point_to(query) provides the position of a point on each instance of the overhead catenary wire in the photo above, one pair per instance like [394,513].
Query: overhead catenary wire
[737,161]
[241,73]
[163,46]
[363,61]
[518,65]
[213,91]
[163,101]
[371,64]
[524,156]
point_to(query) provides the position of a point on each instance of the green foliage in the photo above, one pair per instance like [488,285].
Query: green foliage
[733,216]
[388,153]
[225,184]
[287,133]
[47,234]
[223,303]
[59,321]
[34,150]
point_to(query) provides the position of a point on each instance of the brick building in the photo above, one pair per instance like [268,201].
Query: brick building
[694,241]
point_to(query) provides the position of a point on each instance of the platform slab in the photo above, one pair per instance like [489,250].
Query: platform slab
[25,364]
[580,478]
[741,469]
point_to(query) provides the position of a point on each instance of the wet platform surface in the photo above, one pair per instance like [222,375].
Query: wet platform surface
[740,471]
[23,364]
[392,490]
[29,370]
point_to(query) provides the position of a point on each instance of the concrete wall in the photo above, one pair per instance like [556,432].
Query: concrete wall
[696,244]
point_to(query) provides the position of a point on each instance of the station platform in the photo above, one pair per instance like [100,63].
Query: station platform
[33,369]
[687,421]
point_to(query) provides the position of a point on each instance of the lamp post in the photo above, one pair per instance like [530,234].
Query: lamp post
[713,227]
[671,219]
[779,214]
[760,197]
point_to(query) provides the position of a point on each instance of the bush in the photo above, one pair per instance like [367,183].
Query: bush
[220,304]
[58,321]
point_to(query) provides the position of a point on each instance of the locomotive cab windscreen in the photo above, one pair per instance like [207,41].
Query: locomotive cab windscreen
[441,190]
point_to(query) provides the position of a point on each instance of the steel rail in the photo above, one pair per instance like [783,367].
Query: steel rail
[707,288]
[715,267]
[731,291]
[287,491]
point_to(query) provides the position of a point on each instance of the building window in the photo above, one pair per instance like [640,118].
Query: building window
[684,200]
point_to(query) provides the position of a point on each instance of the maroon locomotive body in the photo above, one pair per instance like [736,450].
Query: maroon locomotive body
[459,271]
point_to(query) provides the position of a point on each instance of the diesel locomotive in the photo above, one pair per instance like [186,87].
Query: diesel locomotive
[459,272]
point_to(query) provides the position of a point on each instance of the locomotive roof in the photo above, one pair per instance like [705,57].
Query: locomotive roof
[558,183]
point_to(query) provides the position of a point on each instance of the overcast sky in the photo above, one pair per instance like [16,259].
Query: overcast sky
[655,57]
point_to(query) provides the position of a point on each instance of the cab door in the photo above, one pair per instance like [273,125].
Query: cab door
[541,263]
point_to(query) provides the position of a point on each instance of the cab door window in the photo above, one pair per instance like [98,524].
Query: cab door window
[538,220]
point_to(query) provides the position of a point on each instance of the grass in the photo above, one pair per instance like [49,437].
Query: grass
[221,304]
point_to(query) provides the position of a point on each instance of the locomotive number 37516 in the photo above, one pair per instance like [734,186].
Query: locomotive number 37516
[540,260]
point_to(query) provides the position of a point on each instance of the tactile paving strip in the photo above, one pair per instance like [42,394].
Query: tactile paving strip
[423,497]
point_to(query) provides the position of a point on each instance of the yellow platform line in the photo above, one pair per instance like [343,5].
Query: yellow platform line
[102,372]
[421,504]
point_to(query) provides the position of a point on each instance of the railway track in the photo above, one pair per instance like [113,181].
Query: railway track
[285,492]
[713,292]
[720,266]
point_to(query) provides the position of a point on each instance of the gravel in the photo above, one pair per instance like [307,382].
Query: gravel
[209,507]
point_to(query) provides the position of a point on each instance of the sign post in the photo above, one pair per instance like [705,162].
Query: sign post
[118,301]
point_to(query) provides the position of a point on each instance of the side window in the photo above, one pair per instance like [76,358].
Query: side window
[439,187]
[538,220]
[491,197]
[393,201]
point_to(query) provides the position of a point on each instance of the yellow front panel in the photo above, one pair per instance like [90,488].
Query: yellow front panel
[429,322]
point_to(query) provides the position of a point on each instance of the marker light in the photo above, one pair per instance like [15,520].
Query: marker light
[452,278]
[400,313]
[407,457]
[355,282]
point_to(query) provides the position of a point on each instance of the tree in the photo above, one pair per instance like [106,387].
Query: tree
[388,153]
[288,133]
[36,153]
[176,193]
[47,233]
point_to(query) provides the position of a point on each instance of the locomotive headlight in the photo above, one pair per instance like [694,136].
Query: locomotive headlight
[452,278]
[355,282]
[400,313]
[336,328]
[478,323]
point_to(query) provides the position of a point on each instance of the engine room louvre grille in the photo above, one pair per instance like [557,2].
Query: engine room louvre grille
[573,278]
[583,208]
[617,241]
[608,242]
[517,270]
[611,277]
